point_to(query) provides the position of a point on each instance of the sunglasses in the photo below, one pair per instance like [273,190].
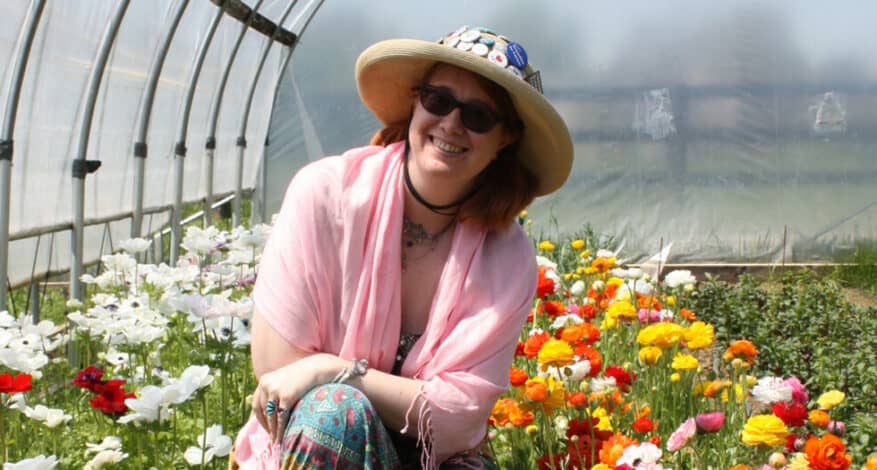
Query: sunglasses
[476,116]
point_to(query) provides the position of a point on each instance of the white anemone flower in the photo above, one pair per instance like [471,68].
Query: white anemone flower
[119,262]
[108,443]
[40,462]
[151,406]
[192,379]
[678,278]
[16,402]
[51,417]
[577,288]
[28,362]
[213,444]
[115,358]
[7,320]
[103,458]
[134,245]
[643,287]
[202,242]
[770,390]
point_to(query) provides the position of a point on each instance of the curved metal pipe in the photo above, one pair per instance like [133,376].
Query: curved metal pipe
[180,148]
[28,31]
[210,145]
[242,139]
[81,166]
[140,147]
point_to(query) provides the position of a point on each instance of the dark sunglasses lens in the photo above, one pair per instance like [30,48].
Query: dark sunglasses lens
[436,102]
[478,118]
[475,116]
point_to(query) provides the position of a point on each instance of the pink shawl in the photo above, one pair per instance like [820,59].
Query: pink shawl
[329,280]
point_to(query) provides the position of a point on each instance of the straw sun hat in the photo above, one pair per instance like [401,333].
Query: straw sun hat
[387,71]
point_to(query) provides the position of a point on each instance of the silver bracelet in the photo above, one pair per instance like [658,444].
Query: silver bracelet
[358,368]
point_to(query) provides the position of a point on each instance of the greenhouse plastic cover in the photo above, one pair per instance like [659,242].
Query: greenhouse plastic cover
[737,131]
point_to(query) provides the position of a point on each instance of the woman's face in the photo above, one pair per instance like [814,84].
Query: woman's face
[443,150]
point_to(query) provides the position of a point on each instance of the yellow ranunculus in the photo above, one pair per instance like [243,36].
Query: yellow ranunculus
[675,377]
[601,466]
[767,430]
[605,423]
[556,353]
[532,430]
[650,355]
[577,244]
[662,335]
[830,399]
[585,254]
[546,245]
[699,335]
[523,214]
[682,361]
[670,300]
[798,462]
[738,393]
[621,309]
[589,270]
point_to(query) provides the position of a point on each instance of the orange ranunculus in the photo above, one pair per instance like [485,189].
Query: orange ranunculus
[740,467]
[572,333]
[536,391]
[591,355]
[577,400]
[648,302]
[656,440]
[642,412]
[517,377]
[741,347]
[713,388]
[612,448]
[687,314]
[827,452]
[819,418]
[871,463]
[500,414]
[520,416]
[602,265]
[534,344]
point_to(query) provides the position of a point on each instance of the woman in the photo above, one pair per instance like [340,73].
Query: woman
[393,288]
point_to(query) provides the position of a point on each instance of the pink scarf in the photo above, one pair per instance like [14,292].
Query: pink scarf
[329,280]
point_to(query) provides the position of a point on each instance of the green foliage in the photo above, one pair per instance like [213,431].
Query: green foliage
[803,327]
[860,267]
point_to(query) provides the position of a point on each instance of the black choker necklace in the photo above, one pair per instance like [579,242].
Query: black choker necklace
[438,209]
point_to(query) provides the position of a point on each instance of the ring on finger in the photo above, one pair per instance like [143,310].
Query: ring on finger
[270,407]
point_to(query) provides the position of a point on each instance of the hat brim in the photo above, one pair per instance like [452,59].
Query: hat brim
[387,71]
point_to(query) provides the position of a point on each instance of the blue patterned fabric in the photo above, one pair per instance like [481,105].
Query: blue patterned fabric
[334,426]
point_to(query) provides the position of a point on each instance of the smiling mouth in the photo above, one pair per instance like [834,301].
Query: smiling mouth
[446,147]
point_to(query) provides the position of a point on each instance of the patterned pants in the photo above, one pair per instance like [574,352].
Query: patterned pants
[334,426]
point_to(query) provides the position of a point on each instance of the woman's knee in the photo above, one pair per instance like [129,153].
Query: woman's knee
[336,405]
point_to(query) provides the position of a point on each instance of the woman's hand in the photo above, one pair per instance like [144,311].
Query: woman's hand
[286,385]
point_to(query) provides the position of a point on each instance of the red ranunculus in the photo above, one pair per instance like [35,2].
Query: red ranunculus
[794,414]
[89,377]
[643,425]
[15,384]
[545,285]
[623,378]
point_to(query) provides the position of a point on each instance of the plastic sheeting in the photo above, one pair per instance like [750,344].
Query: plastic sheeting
[717,126]
[48,120]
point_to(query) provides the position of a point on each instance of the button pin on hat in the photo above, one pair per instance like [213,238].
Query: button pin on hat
[517,55]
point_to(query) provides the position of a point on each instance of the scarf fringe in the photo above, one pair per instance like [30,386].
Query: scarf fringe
[424,430]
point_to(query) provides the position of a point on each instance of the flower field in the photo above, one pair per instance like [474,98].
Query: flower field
[614,370]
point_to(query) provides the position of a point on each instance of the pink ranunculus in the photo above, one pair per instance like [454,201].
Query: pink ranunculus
[837,427]
[648,315]
[681,435]
[799,392]
[710,422]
